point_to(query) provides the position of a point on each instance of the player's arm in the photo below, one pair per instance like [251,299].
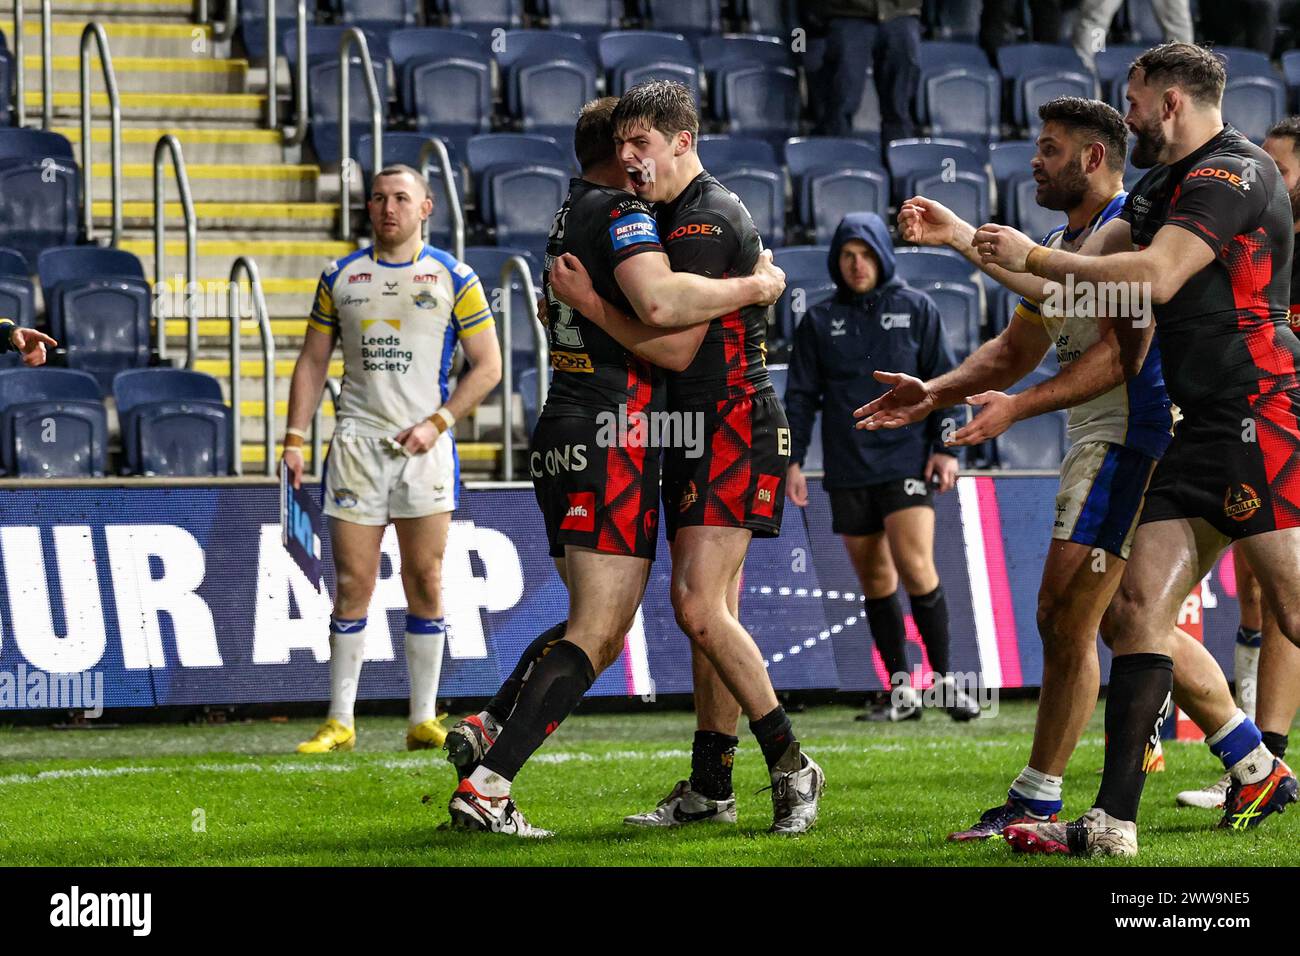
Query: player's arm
[28,343]
[665,299]
[305,389]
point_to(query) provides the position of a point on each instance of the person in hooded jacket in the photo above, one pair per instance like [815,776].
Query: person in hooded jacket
[882,483]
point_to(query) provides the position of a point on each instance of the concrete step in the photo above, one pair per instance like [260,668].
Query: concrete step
[146,74]
[247,109]
[251,182]
[275,258]
[477,457]
[287,300]
[251,369]
[318,217]
[125,37]
[172,11]
[214,334]
[201,146]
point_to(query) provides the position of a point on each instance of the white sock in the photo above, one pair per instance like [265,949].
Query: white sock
[490,724]
[1245,670]
[347,643]
[1035,785]
[1253,767]
[1235,721]
[425,638]
[488,783]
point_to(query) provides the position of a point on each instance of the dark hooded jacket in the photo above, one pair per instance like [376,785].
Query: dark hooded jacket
[840,343]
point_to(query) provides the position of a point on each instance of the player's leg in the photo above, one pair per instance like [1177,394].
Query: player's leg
[422,543]
[878,578]
[355,549]
[1279,686]
[1245,652]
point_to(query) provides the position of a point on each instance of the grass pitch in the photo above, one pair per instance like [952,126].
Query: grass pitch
[236,794]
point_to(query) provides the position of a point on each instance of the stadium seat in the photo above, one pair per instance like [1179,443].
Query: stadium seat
[717,52]
[761,101]
[522,203]
[719,151]
[1022,62]
[918,264]
[621,49]
[405,148]
[1291,71]
[17,296]
[692,18]
[1001,305]
[822,158]
[959,308]
[961,101]
[833,193]
[947,54]
[6,84]
[451,98]
[252,24]
[323,43]
[431,44]
[1037,443]
[490,150]
[1022,209]
[1010,158]
[482,16]
[1115,60]
[323,77]
[552,94]
[965,193]
[487,262]
[762,190]
[52,424]
[1242,61]
[1253,104]
[378,13]
[174,423]
[910,157]
[1039,88]
[770,17]
[807,282]
[806,153]
[526,387]
[587,18]
[39,192]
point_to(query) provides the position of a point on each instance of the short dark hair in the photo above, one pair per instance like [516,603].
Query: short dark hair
[1287,127]
[665,105]
[1197,70]
[593,137]
[400,169]
[1091,118]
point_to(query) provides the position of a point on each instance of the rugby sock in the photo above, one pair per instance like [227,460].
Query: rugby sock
[1138,700]
[1040,792]
[347,647]
[712,755]
[930,611]
[776,738]
[1248,636]
[1240,745]
[425,637]
[1276,743]
[503,702]
[1245,668]
[885,615]
[551,692]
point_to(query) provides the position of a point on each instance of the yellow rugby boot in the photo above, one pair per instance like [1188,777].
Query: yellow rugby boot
[428,735]
[331,735]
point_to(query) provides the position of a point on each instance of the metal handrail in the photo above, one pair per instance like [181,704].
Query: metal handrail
[435,147]
[47,64]
[20,71]
[170,144]
[96,32]
[520,265]
[300,94]
[249,267]
[353,35]
[317,464]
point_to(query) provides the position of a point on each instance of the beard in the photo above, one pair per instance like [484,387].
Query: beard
[1065,190]
[1149,142]
[1293,194]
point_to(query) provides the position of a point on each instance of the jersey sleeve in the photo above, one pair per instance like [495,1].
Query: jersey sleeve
[703,242]
[1217,200]
[470,314]
[324,317]
[632,230]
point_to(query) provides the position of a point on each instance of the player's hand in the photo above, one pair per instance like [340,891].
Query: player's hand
[543,316]
[418,439]
[770,278]
[998,413]
[908,400]
[31,344]
[292,460]
[1003,246]
[796,485]
[943,467]
[572,285]
[926,222]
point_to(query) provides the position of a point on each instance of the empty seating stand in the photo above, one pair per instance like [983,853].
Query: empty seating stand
[52,424]
[174,423]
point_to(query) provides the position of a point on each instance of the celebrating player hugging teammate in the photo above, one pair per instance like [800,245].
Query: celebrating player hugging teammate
[399,307]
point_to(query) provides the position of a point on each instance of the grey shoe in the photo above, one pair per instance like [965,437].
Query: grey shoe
[795,796]
[684,806]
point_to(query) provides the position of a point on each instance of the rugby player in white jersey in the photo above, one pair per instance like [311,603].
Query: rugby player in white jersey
[1117,429]
[399,308]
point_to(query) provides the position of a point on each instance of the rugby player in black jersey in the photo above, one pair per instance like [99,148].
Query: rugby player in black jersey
[599,499]
[718,496]
[1209,232]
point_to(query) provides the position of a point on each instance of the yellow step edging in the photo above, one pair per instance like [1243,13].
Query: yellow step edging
[217,171]
[252,368]
[161,31]
[240,247]
[271,286]
[192,101]
[226,210]
[220,328]
[146,64]
[151,135]
[252,408]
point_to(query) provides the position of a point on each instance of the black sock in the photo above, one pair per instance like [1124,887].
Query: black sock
[712,755]
[551,692]
[1138,700]
[1276,743]
[930,611]
[776,738]
[885,615]
[504,701]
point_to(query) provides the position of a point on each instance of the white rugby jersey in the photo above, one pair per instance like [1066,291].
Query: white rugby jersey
[399,323]
[1138,413]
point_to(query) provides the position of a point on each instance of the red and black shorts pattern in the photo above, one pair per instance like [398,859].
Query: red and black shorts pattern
[594,494]
[1235,463]
[736,477]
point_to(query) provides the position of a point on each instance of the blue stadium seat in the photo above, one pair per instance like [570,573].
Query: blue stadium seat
[39,192]
[174,422]
[451,98]
[323,43]
[1021,62]
[918,264]
[833,193]
[587,18]
[6,84]
[719,54]
[487,262]
[252,24]
[820,157]
[770,17]
[1010,158]
[966,194]
[432,44]
[323,78]
[637,73]
[1115,60]
[619,49]
[482,16]
[516,49]
[405,148]
[490,150]
[807,282]
[378,13]
[1291,71]
[909,157]
[552,93]
[761,101]
[1022,209]
[1001,305]
[1035,89]
[948,54]
[1242,61]
[17,297]
[690,17]
[959,308]
[719,151]
[523,200]
[1036,443]
[957,20]
[21,143]
[961,101]
[1253,104]
[805,153]
[52,424]
[526,387]
[762,190]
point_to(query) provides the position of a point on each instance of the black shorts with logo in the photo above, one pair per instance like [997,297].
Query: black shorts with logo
[860,511]
[594,494]
[1235,463]
[730,473]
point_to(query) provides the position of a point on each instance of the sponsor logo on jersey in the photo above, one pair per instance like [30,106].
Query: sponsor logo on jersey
[424,299]
[650,521]
[359,277]
[689,497]
[345,498]
[633,229]
[913,486]
[425,277]
[390,288]
[581,515]
[1223,175]
[353,300]
[567,458]
[1241,501]
[463,270]
[695,229]
[1294,317]
[837,328]
[571,362]
[895,320]
[765,495]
